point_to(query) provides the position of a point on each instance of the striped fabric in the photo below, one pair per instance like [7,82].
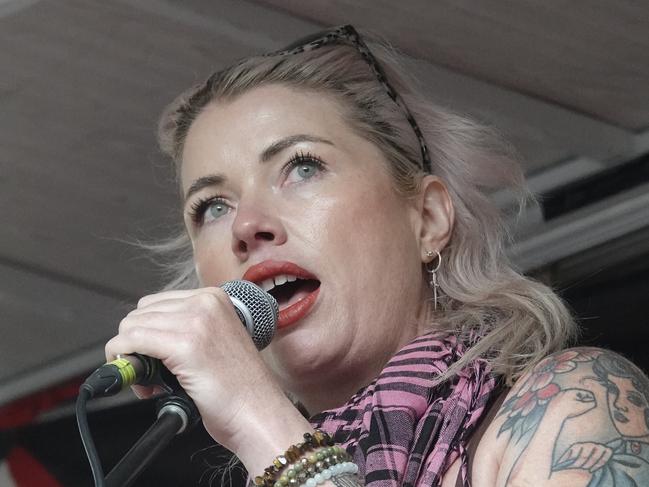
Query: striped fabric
[402,429]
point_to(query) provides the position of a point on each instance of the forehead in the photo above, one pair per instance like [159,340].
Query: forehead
[227,131]
[622,383]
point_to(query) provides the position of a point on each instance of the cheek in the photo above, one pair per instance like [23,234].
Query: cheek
[381,224]
[638,425]
[637,413]
[637,418]
[368,211]
[367,237]
[212,256]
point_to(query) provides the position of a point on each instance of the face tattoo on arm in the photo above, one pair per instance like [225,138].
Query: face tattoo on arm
[596,388]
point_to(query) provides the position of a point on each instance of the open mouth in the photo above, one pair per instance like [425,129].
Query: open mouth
[295,289]
[288,289]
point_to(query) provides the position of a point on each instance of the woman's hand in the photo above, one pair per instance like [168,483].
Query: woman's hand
[574,402]
[586,455]
[200,339]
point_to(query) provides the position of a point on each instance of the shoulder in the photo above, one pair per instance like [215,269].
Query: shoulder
[574,382]
[568,420]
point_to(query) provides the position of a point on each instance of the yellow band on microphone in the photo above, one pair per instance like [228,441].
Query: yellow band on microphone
[126,370]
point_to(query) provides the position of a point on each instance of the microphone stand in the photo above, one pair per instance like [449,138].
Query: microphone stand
[175,414]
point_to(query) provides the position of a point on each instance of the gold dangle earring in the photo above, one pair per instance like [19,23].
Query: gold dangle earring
[432,273]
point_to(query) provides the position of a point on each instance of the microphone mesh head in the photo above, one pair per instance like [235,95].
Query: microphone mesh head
[261,306]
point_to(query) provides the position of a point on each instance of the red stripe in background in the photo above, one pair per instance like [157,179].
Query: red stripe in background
[27,471]
[24,468]
[23,411]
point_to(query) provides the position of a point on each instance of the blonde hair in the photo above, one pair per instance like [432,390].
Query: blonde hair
[518,320]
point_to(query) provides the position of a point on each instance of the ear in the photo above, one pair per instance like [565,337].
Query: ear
[435,216]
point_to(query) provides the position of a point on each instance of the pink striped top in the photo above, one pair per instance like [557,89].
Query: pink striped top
[402,429]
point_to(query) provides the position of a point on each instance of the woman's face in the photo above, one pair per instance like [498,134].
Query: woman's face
[627,406]
[289,191]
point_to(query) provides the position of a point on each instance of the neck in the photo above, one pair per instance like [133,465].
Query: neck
[331,386]
[328,386]
[329,392]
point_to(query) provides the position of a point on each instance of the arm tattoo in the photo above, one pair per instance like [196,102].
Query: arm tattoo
[580,418]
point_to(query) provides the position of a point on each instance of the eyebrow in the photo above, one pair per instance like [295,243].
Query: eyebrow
[282,144]
[267,154]
[204,182]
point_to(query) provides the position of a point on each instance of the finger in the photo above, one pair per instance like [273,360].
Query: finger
[142,392]
[145,340]
[147,392]
[199,314]
[579,460]
[176,294]
[166,305]
[567,456]
[606,456]
[593,457]
[199,298]
[159,320]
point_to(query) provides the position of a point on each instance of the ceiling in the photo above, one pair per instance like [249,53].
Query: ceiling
[83,82]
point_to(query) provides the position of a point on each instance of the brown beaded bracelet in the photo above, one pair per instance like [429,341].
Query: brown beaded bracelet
[312,464]
[293,454]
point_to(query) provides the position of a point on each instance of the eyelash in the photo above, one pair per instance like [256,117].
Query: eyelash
[198,208]
[635,400]
[300,158]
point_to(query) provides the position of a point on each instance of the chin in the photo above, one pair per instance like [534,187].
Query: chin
[302,356]
[631,432]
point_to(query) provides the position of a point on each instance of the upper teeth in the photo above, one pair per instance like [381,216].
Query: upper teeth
[270,283]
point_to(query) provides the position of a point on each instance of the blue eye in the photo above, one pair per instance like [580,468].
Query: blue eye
[305,171]
[208,209]
[306,166]
[217,209]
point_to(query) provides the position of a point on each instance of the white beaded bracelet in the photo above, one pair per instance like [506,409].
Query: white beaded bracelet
[333,471]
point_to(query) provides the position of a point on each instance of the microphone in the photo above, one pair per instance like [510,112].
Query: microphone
[257,311]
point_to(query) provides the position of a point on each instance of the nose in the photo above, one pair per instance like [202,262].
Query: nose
[254,227]
[620,404]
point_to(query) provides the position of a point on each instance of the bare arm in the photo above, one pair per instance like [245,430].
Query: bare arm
[579,418]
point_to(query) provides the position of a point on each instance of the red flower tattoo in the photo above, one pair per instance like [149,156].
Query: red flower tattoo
[539,387]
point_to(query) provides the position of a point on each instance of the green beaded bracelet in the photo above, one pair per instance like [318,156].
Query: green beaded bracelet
[308,467]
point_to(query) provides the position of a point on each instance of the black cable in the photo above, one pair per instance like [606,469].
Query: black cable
[86,437]
[176,413]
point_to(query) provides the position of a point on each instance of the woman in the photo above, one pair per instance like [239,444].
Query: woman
[321,174]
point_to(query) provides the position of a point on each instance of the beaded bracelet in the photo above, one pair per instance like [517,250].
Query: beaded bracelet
[293,454]
[337,470]
[327,461]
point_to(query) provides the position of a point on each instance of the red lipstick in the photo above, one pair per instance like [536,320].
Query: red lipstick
[288,316]
[271,268]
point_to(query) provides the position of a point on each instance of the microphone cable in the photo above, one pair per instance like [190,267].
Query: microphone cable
[108,380]
[86,438]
